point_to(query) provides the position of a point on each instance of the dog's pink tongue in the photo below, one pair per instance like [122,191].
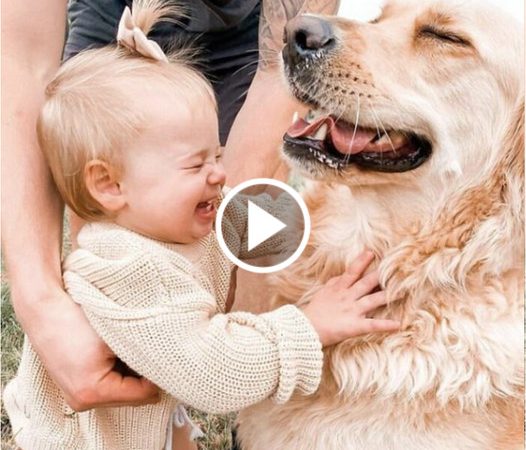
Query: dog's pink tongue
[344,137]
[349,140]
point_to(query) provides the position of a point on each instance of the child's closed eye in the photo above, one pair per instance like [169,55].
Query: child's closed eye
[207,158]
[194,164]
[195,167]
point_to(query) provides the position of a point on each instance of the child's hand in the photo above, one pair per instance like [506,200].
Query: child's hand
[339,310]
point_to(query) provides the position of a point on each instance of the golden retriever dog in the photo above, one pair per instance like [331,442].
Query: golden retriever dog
[414,147]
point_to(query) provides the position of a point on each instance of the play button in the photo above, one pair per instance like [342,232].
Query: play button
[262,225]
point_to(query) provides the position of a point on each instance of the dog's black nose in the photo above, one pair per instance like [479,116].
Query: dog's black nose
[305,36]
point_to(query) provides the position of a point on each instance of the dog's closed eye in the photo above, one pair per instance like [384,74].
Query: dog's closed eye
[449,37]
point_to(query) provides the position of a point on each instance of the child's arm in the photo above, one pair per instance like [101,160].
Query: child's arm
[218,362]
[214,362]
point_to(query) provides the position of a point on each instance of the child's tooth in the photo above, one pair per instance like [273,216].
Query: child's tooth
[321,134]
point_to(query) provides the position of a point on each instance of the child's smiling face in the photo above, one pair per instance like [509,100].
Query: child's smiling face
[172,172]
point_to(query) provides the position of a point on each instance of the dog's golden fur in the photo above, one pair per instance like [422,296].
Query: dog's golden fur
[449,234]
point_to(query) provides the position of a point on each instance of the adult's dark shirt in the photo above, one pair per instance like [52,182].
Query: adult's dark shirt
[225,31]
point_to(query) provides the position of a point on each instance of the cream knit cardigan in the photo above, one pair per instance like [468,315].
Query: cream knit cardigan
[161,309]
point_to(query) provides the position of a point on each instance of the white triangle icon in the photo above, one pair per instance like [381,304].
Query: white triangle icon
[261,225]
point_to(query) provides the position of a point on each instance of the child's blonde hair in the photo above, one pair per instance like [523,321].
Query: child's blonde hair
[88,113]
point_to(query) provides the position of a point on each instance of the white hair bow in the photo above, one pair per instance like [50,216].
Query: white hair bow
[132,37]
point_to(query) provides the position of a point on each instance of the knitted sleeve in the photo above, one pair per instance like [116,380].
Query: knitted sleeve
[170,332]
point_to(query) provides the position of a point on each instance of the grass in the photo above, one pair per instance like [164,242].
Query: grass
[11,342]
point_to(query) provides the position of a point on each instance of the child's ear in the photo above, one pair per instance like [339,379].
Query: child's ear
[103,185]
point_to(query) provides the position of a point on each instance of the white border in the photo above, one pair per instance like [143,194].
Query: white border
[304,212]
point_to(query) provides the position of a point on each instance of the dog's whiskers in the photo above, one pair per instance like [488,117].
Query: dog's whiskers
[348,156]
[373,111]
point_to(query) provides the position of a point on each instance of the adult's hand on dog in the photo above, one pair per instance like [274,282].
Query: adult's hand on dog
[339,310]
[274,16]
[80,363]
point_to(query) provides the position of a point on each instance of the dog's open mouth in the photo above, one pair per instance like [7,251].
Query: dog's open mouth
[322,138]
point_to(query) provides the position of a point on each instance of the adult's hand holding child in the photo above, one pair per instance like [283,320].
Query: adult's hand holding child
[80,363]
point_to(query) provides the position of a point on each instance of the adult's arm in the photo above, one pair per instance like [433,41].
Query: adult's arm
[254,142]
[77,359]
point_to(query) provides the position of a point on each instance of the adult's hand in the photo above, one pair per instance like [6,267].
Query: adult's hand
[80,363]
[274,16]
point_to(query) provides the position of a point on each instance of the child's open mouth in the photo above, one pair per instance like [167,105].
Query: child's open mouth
[206,210]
